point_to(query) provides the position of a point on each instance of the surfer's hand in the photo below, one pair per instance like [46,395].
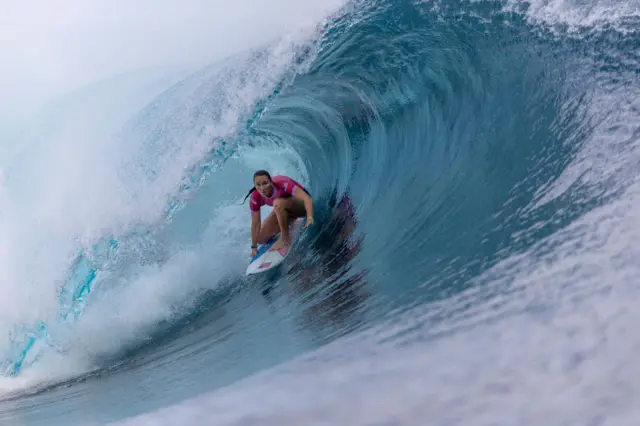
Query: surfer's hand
[254,251]
[309,222]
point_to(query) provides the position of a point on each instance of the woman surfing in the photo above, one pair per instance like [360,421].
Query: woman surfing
[289,200]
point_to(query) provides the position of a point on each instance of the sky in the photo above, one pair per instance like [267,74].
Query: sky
[51,47]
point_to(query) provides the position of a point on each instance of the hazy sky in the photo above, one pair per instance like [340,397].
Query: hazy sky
[50,47]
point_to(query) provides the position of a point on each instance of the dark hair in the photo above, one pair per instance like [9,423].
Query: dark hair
[255,175]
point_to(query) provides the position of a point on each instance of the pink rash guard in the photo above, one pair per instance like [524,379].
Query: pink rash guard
[283,187]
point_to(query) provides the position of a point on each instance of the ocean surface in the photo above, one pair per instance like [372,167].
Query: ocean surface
[474,258]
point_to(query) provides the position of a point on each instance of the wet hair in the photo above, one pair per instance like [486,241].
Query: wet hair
[255,175]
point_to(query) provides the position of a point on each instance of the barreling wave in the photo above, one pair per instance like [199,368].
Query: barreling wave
[443,143]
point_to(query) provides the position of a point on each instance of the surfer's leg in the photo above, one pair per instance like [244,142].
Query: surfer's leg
[296,208]
[286,208]
[268,228]
[279,206]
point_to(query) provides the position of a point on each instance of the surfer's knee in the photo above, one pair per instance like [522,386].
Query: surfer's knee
[279,205]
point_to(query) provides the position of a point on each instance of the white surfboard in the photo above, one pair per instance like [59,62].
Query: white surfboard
[267,259]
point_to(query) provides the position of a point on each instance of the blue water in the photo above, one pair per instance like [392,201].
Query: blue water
[474,171]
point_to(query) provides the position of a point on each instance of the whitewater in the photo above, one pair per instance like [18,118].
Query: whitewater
[474,168]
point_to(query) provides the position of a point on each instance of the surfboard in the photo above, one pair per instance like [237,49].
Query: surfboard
[266,259]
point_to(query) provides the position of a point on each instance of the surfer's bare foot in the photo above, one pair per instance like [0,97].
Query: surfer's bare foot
[279,244]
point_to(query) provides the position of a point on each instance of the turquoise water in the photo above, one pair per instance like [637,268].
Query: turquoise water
[474,171]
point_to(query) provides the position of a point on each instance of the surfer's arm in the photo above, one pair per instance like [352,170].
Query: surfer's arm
[308,204]
[255,228]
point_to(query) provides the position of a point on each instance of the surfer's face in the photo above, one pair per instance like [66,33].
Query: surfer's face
[263,185]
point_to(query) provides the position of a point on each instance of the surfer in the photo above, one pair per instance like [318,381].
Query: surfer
[289,200]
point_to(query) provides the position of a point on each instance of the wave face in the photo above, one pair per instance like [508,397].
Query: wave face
[473,167]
